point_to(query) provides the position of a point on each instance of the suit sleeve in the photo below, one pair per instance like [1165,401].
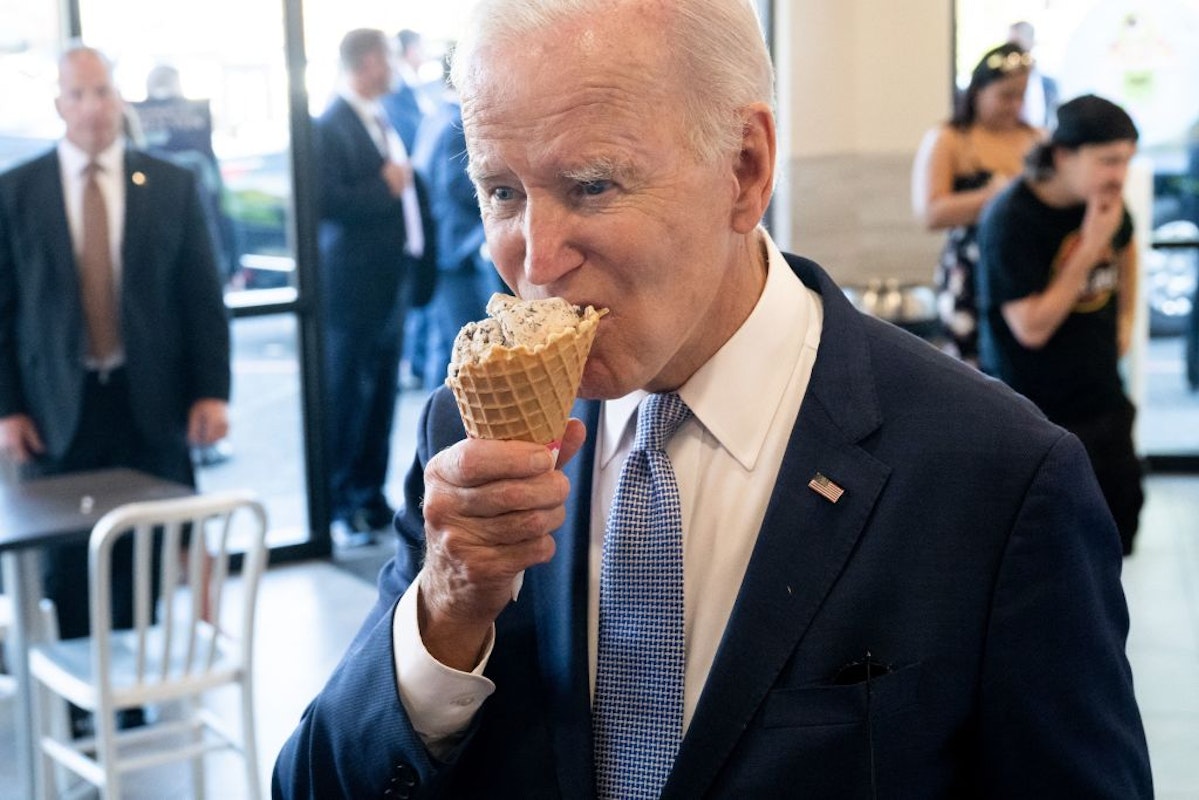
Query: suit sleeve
[11,401]
[206,319]
[355,740]
[1057,713]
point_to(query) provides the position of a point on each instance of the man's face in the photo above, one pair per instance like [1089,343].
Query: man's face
[88,102]
[373,76]
[1096,170]
[589,192]
[414,54]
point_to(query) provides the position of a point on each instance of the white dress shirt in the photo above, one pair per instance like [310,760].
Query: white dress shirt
[726,458]
[391,147]
[72,163]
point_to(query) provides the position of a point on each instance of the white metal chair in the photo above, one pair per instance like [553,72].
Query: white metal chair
[202,640]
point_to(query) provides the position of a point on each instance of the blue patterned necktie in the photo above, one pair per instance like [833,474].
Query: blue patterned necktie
[638,709]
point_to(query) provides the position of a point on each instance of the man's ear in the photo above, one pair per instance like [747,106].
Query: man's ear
[754,167]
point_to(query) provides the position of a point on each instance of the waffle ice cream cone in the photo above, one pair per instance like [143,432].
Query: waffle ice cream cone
[515,376]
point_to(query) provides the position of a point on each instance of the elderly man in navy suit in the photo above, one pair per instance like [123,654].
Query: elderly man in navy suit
[114,339]
[856,569]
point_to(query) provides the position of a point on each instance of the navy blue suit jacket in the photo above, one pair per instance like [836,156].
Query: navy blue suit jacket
[971,555]
[440,159]
[173,318]
[403,109]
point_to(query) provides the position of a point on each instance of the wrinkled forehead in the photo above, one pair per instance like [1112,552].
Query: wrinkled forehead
[585,28]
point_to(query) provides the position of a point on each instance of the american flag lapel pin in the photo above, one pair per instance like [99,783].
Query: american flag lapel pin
[825,488]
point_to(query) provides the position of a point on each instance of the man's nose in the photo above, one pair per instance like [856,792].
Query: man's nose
[91,102]
[548,255]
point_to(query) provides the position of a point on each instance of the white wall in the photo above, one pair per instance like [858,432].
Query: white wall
[859,83]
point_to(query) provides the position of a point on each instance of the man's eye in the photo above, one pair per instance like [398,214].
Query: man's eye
[502,193]
[595,188]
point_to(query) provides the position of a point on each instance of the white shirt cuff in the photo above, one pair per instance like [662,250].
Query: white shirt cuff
[440,701]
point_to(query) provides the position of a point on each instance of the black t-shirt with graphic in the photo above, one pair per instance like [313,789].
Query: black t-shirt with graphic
[1022,244]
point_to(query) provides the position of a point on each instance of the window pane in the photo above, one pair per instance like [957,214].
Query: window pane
[28,49]
[266,452]
[212,96]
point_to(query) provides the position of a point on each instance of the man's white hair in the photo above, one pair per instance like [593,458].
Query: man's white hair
[715,46]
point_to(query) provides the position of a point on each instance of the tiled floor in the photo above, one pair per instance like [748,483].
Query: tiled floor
[310,611]
[1161,581]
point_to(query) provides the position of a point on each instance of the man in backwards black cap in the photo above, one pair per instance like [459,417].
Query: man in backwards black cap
[1057,291]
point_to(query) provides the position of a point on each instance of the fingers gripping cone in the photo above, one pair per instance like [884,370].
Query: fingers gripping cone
[522,392]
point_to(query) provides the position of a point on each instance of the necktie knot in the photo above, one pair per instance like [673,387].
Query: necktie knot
[92,170]
[658,418]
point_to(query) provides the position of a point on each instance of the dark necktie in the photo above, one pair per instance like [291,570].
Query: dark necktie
[638,709]
[97,285]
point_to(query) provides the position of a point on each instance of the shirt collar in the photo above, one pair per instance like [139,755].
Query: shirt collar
[368,109]
[407,74]
[736,394]
[74,160]
[617,415]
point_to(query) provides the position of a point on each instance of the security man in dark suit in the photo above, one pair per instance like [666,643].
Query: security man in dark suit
[114,338]
[373,241]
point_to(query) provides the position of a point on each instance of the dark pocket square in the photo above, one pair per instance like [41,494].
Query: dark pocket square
[844,703]
[860,671]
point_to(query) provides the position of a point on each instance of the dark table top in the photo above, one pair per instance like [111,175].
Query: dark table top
[62,507]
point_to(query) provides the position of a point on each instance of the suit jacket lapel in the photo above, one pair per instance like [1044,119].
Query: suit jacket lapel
[366,149]
[49,204]
[138,215]
[558,591]
[46,196]
[803,546]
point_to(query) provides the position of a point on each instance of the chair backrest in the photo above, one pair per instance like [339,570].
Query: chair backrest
[201,534]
